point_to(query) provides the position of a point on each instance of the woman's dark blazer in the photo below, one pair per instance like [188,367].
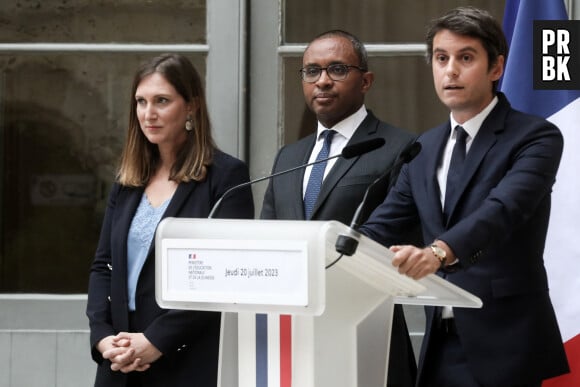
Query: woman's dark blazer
[189,340]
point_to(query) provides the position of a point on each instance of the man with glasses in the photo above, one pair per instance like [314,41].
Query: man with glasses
[335,80]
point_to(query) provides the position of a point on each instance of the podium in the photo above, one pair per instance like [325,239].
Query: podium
[287,320]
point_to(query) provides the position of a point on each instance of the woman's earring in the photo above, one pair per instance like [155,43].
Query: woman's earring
[189,123]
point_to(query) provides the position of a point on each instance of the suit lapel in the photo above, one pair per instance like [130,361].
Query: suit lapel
[440,135]
[295,180]
[132,197]
[179,198]
[127,202]
[366,129]
[177,201]
[485,139]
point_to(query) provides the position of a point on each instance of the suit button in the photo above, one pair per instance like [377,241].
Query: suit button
[109,298]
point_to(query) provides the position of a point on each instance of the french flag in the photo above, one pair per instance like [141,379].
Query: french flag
[267,357]
[562,107]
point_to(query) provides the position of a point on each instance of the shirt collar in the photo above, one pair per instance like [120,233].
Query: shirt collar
[473,125]
[346,127]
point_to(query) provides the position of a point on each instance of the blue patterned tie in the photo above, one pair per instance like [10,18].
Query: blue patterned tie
[455,168]
[317,175]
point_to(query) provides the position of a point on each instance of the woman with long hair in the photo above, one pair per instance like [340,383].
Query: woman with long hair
[170,167]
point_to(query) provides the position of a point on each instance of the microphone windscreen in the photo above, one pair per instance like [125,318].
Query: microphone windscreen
[410,152]
[362,147]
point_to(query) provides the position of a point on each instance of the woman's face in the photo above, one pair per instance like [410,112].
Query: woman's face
[161,111]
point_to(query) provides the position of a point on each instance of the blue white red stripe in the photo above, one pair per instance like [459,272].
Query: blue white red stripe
[266,356]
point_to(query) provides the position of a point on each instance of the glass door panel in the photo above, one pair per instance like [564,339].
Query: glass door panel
[402,93]
[373,21]
[63,115]
[105,21]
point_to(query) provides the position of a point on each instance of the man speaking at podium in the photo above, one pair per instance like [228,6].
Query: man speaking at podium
[482,197]
[335,79]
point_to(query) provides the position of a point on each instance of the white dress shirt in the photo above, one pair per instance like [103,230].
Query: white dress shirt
[344,131]
[472,127]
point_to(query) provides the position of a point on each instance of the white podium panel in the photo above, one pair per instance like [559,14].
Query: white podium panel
[298,324]
[234,265]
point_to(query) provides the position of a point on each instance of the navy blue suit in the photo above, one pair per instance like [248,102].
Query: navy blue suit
[189,340]
[341,192]
[497,229]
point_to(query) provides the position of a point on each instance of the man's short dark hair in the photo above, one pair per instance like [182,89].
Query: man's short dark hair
[357,45]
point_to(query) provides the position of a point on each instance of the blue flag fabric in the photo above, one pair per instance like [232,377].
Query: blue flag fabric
[517,82]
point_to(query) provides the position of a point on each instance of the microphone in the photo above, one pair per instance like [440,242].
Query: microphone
[348,152]
[347,244]
[360,148]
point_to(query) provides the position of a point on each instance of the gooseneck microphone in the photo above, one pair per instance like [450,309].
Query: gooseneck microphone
[347,244]
[348,152]
[405,156]
[360,148]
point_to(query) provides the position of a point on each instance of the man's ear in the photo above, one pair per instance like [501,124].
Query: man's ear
[496,70]
[367,79]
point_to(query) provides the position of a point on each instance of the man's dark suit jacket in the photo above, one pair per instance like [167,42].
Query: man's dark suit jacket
[341,192]
[189,340]
[497,229]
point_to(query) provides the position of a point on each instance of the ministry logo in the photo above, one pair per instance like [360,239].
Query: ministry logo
[557,54]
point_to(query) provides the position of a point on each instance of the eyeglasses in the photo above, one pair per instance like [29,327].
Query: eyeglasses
[336,72]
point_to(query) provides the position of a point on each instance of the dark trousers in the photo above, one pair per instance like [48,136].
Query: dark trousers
[134,379]
[445,361]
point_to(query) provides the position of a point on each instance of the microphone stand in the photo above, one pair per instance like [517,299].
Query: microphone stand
[218,203]
[348,152]
[347,244]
